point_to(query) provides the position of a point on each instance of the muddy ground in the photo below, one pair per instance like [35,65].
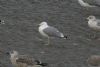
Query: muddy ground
[20,31]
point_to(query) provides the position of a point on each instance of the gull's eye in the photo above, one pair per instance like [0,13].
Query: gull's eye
[11,52]
[91,17]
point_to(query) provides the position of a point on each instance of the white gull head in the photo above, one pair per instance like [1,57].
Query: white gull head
[91,18]
[14,53]
[43,23]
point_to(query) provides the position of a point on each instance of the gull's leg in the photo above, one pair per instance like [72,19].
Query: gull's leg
[94,35]
[48,41]
[98,36]
[87,8]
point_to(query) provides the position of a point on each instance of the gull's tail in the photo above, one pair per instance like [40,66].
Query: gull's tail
[65,37]
[97,5]
[40,63]
[43,64]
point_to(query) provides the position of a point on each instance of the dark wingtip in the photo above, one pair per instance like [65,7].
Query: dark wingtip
[97,5]
[65,37]
[39,63]
[44,64]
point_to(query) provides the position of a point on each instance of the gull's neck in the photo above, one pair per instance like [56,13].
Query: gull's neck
[93,19]
[92,22]
[45,25]
[14,55]
[13,58]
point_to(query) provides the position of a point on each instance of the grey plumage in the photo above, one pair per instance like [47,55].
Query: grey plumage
[49,31]
[26,59]
[93,2]
[53,32]
[98,22]
[89,3]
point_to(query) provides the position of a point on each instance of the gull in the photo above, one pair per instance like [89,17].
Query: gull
[94,60]
[24,61]
[49,31]
[94,24]
[89,3]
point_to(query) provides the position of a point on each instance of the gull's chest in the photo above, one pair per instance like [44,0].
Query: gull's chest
[41,28]
[93,24]
[13,60]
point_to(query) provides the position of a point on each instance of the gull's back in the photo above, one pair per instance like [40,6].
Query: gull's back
[53,32]
[98,22]
[26,59]
[89,3]
[93,2]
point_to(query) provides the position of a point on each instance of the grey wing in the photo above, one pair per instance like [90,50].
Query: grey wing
[27,60]
[98,22]
[97,2]
[93,2]
[51,31]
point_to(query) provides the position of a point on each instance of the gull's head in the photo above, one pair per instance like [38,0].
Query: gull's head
[12,53]
[43,23]
[91,18]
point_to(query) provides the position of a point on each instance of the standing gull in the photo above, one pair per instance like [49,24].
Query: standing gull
[94,24]
[24,61]
[49,31]
[89,3]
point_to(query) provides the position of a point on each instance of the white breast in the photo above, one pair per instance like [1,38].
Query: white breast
[41,30]
[93,24]
[13,60]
